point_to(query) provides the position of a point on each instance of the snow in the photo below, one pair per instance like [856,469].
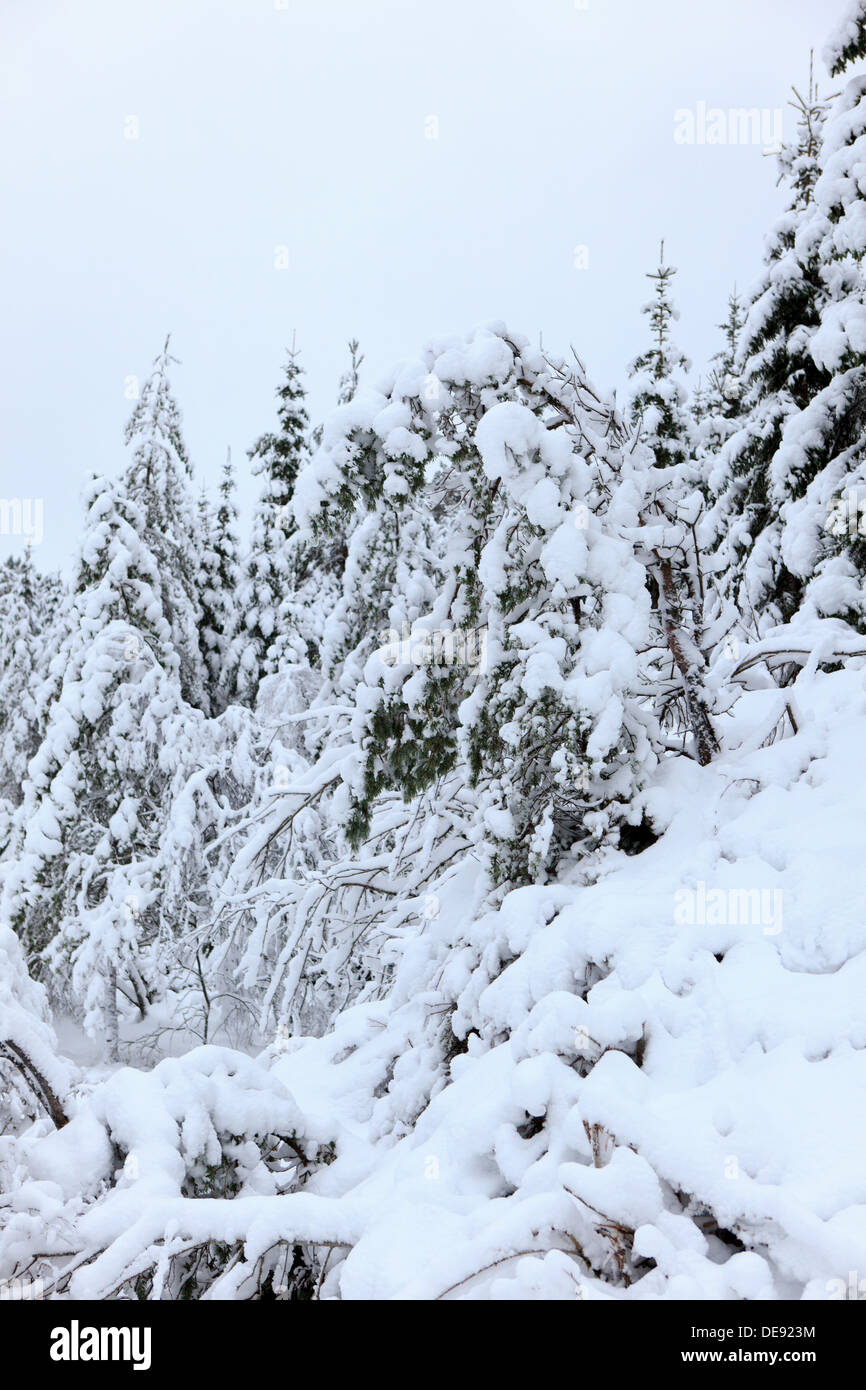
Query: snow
[847,32]
[750,1096]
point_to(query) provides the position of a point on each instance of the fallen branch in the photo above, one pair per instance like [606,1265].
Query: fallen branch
[35,1081]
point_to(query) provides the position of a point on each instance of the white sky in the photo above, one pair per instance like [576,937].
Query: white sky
[301,123]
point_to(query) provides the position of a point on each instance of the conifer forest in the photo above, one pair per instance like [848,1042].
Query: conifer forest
[431,852]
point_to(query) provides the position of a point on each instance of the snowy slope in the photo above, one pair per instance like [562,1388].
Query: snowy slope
[751,1097]
[643,1095]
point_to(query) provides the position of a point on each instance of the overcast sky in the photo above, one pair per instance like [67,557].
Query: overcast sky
[426,166]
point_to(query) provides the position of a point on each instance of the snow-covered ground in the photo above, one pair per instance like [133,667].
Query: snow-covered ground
[663,1073]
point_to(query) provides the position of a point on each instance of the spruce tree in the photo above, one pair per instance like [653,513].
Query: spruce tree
[658,392]
[848,41]
[276,457]
[818,476]
[671,504]
[555,734]
[157,480]
[778,376]
[350,379]
[699,406]
[354,509]
[498,678]
[716,408]
[81,893]
[723,396]
[28,604]
[218,586]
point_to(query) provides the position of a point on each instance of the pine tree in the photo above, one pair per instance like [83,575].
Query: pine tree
[659,394]
[28,604]
[699,404]
[276,458]
[494,678]
[818,475]
[296,889]
[555,734]
[724,391]
[353,507]
[157,480]
[218,586]
[670,507]
[848,41]
[81,891]
[716,409]
[349,381]
[778,377]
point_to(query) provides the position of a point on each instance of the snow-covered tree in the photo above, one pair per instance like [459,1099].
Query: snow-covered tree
[670,507]
[818,473]
[504,677]
[723,396]
[554,733]
[218,585]
[355,499]
[158,479]
[658,391]
[276,458]
[80,889]
[350,380]
[720,404]
[28,606]
[778,376]
[847,43]
[35,1078]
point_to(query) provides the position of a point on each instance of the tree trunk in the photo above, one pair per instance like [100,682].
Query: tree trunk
[700,724]
[111,1027]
